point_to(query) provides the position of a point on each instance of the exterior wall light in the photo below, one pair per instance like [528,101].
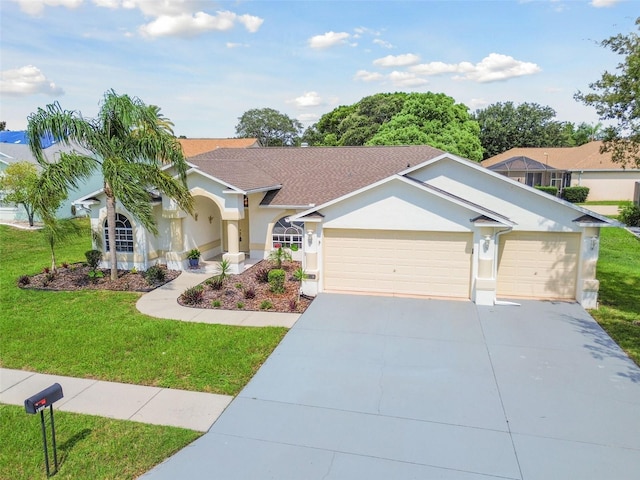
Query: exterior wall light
[486,242]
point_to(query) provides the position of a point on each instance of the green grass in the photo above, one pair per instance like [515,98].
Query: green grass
[101,335]
[619,297]
[606,202]
[88,446]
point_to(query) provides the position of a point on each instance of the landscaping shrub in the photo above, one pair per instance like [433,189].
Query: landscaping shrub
[266,305]
[216,283]
[630,215]
[575,194]
[93,258]
[216,304]
[193,295]
[154,274]
[24,280]
[550,190]
[276,280]
[262,274]
[240,305]
[250,293]
[293,304]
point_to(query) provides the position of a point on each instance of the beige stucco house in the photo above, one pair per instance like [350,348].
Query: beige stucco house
[410,220]
[569,166]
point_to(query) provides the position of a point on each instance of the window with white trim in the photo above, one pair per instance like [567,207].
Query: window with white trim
[288,234]
[124,234]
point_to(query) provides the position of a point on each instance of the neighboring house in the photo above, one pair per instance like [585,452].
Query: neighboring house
[570,166]
[196,146]
[14,147]
[409,220]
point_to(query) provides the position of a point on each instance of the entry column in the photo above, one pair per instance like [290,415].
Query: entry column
[234,256]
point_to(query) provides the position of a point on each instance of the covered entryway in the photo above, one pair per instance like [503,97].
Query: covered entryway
[397,262]
[538,265]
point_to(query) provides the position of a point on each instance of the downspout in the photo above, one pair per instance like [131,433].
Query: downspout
[495,265]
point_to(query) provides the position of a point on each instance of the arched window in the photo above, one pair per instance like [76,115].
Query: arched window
[124,234]
[288,234]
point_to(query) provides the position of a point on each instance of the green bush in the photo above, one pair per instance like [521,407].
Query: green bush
[575,194]
[266,305]
[193,295]
[216,304]
[262,274]
[93,258]
[155,274]
[630,215]
[216,283]
[550,190]
[277,277]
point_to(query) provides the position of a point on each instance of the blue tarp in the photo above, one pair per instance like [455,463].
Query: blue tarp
[19,137]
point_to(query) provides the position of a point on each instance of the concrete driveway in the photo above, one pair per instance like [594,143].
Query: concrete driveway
[395,388]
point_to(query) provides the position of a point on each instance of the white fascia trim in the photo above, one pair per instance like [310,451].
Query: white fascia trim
[423,187]
[86,197]
[215,179]
[287,207]
[478,167]
[264,189]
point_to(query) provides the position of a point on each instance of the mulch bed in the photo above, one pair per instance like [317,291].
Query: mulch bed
[76,277]
[232,296]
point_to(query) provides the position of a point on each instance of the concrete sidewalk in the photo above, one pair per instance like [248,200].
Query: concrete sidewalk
[155,405]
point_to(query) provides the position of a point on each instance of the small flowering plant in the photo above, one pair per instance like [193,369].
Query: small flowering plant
[279,255]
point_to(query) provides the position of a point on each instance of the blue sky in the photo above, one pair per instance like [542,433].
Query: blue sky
[205,62]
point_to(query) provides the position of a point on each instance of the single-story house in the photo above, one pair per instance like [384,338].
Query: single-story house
[14,147]
[395,220]
[569,166]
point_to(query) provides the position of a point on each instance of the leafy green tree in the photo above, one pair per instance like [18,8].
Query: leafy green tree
[432,119]
[270,127]
[585,133]
[3,126]
[504,126]
[18,186]
[615,98]
[130,144]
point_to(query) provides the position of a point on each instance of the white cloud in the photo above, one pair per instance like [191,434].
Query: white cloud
[36,7]
[397,60]
[308,99]
[382,43]
[187,25]
[493,68]
[27,80]
[476,103]
[603,3]
[235,45]
[366,76]
[329,39]
[406,79]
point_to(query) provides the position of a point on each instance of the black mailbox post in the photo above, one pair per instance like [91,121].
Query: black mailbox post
[37,403]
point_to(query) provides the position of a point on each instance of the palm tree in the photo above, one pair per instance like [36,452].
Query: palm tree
[131,143]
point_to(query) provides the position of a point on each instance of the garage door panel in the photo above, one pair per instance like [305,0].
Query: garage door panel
[390,262]
[538,265]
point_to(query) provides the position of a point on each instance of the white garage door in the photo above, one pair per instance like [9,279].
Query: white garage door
[538,265]
[397,262]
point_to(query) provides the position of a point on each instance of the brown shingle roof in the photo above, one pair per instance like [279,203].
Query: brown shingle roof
[310,175]
[196,146]
[584,157]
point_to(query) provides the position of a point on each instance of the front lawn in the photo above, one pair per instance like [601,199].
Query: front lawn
[101,335]
[88,446]
[619,275]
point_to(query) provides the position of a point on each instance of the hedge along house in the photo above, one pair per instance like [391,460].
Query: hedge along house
[409,220]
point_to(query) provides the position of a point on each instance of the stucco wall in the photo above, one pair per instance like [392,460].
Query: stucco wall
[607,185]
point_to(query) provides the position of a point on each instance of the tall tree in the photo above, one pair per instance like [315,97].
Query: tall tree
[615,98]
[270,127]
[3,126]
[18,185]
[130,142]
[432,119]
[504,126]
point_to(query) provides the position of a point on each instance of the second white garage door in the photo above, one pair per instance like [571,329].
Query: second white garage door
[538,265]
[397,262]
